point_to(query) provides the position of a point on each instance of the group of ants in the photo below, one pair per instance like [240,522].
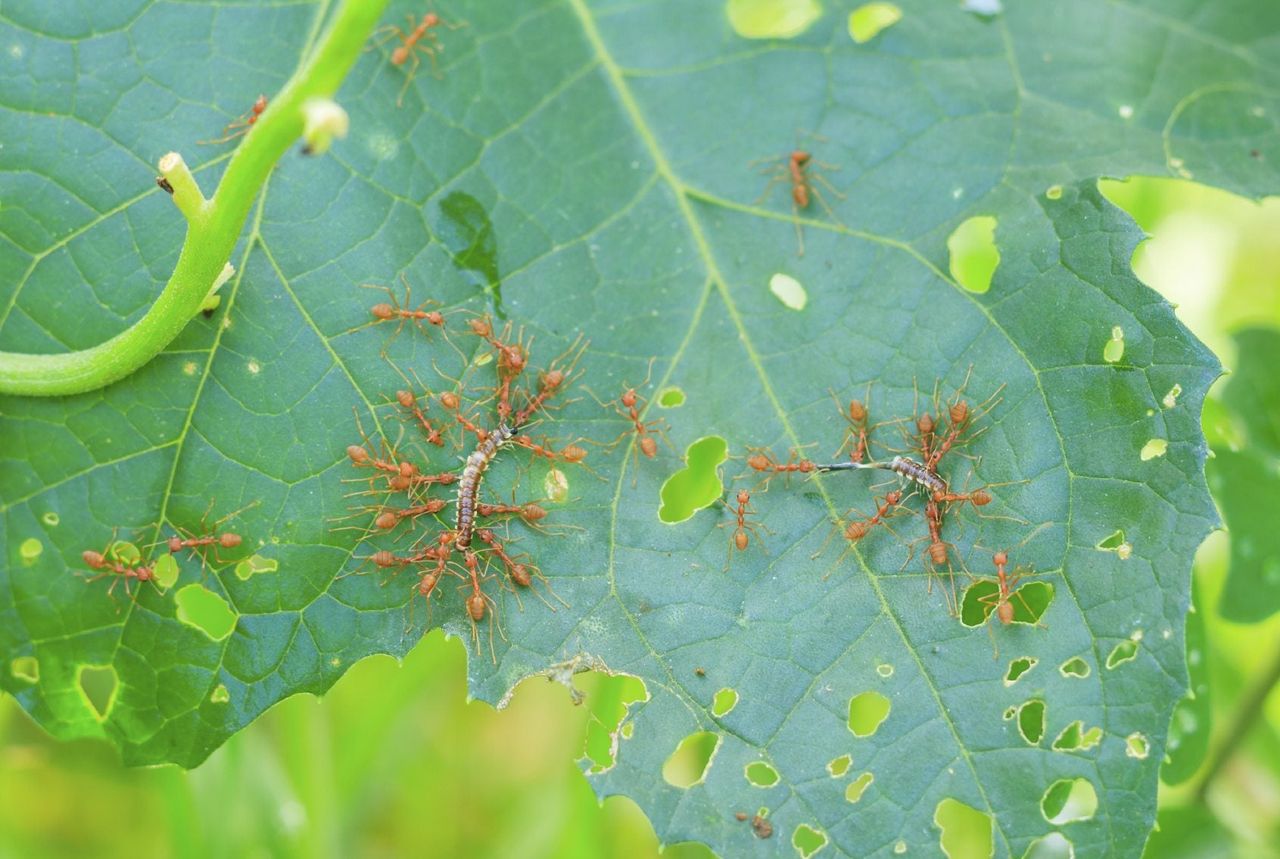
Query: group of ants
[471,551]
[517,409]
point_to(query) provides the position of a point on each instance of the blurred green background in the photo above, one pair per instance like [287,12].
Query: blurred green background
[395,761]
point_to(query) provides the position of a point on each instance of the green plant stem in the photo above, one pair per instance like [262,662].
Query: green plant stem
[213,226]
[1250,709]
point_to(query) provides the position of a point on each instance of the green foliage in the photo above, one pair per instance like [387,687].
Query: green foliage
[565,169]
[1246,481]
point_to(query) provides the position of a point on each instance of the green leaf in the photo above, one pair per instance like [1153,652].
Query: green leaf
[1245,478]
[588,168]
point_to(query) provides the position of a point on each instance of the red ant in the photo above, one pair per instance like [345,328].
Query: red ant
[1001,602]
[799,168]
[393,310]
[208,536]
[740,540]
[763,461]
[243,124]
[420,36]
[109,564]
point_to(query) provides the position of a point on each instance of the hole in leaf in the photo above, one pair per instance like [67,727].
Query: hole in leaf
[858,786]
[866,22]
[628,730]
[1153,448]
[808,840]
[1010,712]
[125,552]
[689,763]
[1018,667]
[99,685]
[670,398]
[884,670]
[51,519]
[966,832]
[220,694]
[1031,721]
[983,8]
[1075,738]
[772,19]
[206,611]
[1113,352]
[29,550]
[255,564]
[1052,846]
[1136,746]
[698,484]
[761,774]
[1068,800]
[555,486]
[1112,542]
[1030,601]
[1054,192]
[609,698]
[166,571]
[1122,653]
[25,668]
[1171,399]
[974,256]
[1074,667]
[789,291]
[839,766]
[867,712]
[723,702]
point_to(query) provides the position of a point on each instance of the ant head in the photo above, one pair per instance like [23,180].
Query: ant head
[436,318]
[857,411]
[260,104]
[435,505]
[144,574]
[894,497]
[1000,558]
[358,454]
[430,19]
[486,535]
[475,607]
[383,311]
[800,157]
[629,399]
[446,537]
[743,496]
